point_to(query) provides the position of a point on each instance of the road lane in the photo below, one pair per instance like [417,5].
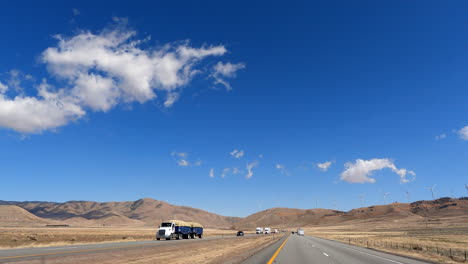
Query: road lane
[264,255]
[19,254]
[313,250]
[342,253]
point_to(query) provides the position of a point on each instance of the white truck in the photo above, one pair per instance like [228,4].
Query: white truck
[267,230]
[259,230]
[300,231]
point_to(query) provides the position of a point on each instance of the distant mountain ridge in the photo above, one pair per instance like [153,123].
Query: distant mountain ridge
[150,212]
[450,210]
[142,212]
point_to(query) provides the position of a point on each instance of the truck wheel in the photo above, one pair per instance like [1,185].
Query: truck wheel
[157,238]
[168,238]
[192,236]
[199,236]
[177,237]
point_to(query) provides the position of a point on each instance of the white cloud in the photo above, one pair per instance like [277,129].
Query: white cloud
[463,133]
[360,171]
[249,168]
[211,173]
[235,171]
[324,166]
[282,169]
[237,153]
[171,99]
[198,163]
[101,71]
[34,114]
[183,162]
[221,71]
[3,88]
[179,154]
[225,172]
[441,136]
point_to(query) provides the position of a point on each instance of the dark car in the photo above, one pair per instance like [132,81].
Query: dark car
[240,233]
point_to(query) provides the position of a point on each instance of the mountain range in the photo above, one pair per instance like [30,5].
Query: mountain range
[149,212]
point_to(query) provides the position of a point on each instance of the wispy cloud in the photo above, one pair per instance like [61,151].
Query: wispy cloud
[221,71]
[237,153]
[212,175]
[183,163]
[102,70]
[463,133]
[324,166]
[360,171]
[441,136]
[249,168]
[282,169]
[198,163]
[225,172]
[76,12]
[179,154]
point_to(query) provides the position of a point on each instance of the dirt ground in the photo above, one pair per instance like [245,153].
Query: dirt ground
[444,244]
[227,251]
[13,237]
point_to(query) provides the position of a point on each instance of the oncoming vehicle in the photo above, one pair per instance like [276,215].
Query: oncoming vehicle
[179,229]
[240,233]
[259,230]
[267,230]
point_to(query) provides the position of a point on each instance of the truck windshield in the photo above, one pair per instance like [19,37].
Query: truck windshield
[166,225]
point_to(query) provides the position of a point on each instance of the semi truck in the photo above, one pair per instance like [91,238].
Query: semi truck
[267,230]
[259,230]
[179,229]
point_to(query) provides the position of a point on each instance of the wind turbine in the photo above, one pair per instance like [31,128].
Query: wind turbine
[407,196]
[316,203]
[466,187]
[432,190]
[259,203]
[385,197]
[362,197]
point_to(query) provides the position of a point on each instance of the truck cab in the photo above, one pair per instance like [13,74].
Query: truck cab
[267,230]
[166,230]
[259,230]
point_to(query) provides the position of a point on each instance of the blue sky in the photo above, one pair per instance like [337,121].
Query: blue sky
[111,102]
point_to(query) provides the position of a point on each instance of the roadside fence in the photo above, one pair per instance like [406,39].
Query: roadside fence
[456,254]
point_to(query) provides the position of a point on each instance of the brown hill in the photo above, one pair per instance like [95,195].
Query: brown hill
[11,215]
[149,212]
[444,210]
[146,212]
[285,217]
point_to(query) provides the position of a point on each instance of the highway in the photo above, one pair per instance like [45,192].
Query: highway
[306,249]
[21,254]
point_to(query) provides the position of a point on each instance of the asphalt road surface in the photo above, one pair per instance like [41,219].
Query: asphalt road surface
[307,249]
[20,254]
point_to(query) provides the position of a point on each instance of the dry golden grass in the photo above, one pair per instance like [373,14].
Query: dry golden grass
[11,237]
[226,251]
[416,242]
